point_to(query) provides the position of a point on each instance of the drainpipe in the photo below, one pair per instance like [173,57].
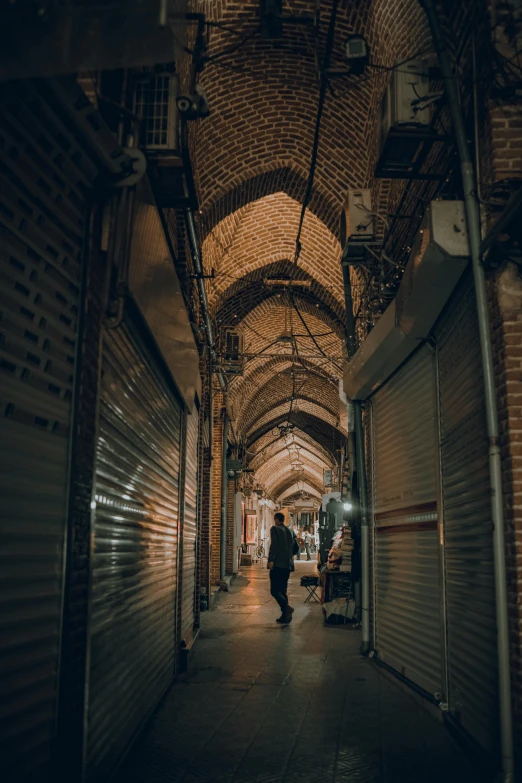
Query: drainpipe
[224,481]
[473,226]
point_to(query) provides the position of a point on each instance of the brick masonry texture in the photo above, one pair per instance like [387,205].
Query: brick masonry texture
[251,160]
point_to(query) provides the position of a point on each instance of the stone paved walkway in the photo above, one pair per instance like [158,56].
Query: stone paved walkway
[267,704]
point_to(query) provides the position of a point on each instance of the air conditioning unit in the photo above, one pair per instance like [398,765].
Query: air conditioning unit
[357,218]
[408,85]
[404,114]
[155,104]
[232,352]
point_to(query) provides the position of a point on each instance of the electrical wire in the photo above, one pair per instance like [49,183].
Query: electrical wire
[339,369]
[233,49]
[320,107]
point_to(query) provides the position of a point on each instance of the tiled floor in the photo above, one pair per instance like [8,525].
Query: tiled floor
[267,703]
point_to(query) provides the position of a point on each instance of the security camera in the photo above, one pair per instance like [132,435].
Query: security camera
[193,107]
[357,53]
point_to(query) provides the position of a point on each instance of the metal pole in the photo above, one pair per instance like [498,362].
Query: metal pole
[473,226]
[198,268]
[224,481]
[365,537]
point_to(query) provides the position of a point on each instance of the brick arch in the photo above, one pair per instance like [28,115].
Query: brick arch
[281,463]
[247,293]
[262,234]
[267,378]
[263,99]
[290,481]
[281,459]
[277,392]
[287,494]
[291,179]
[327,435]
[280,476]
[311,418]
[268,445]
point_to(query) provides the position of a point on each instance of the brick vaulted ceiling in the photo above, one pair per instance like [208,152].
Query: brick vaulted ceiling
[251,160]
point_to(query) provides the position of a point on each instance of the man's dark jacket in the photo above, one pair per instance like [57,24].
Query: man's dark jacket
[283,547]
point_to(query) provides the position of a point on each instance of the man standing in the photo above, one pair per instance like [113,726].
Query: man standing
[283,547]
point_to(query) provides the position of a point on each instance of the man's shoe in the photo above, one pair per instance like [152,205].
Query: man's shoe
[289,613]
[281,619]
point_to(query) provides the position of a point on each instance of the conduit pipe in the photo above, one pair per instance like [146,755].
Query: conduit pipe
[198,269]
[473,225]
[224,482]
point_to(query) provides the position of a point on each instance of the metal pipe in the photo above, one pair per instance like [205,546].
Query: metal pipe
[224,480]
[365,537]
[198,267]
[473,226]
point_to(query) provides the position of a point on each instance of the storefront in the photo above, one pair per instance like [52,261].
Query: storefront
[433,602]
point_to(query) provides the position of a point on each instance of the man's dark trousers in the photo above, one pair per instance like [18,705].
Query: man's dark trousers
[278,586]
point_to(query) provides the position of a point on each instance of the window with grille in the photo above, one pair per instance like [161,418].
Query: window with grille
[155,104]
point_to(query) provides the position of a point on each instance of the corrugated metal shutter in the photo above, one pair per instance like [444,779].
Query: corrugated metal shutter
[470,593]
[45,178]
[408,593]
[190,528]
[134,581]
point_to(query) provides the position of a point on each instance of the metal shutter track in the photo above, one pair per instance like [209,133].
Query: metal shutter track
[470,594]
[45,177]
[407,554]
[190,528]
[135,556]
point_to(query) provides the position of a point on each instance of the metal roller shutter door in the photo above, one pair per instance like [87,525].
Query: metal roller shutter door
[470,592]
[190,528]
[134,580]
[45,180]
[408,605]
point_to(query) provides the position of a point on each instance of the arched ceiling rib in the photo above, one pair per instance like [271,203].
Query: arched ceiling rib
[263,233]
[251,160]
[297,489]
[328,434]
[251,290]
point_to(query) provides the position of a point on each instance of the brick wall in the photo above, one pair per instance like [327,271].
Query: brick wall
[74,660]
[251,159]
